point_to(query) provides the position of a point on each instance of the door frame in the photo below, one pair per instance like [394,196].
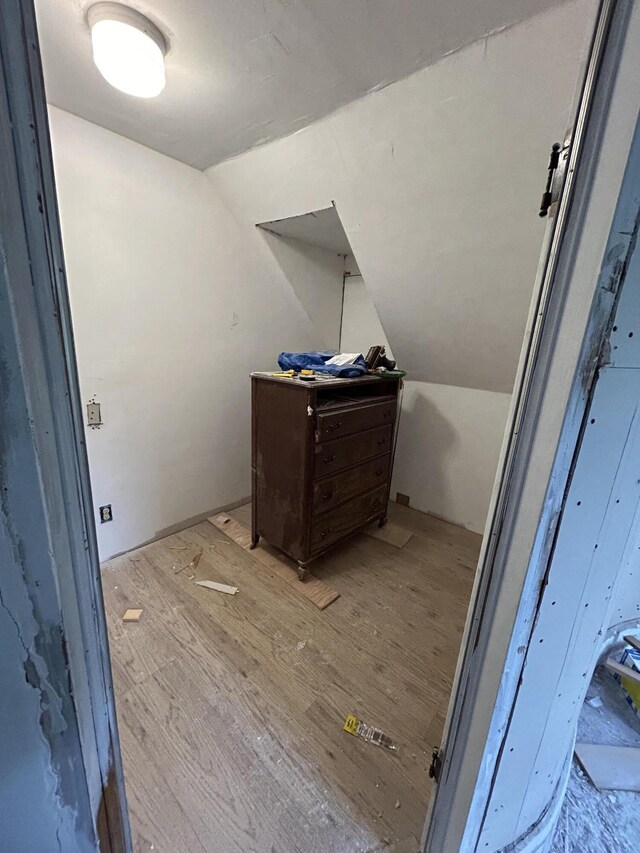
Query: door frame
[571,313]
[554,382]
[43,419]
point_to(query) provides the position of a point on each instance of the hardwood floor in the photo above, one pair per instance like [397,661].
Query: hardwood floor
[231,707]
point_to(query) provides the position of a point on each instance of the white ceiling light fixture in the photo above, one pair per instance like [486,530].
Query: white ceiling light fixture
[128,49]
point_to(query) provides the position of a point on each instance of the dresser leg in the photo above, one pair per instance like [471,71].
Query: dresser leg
[303,572]
[382,521]
[254,541]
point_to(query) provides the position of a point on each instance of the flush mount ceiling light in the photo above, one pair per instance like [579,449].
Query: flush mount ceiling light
[128,49]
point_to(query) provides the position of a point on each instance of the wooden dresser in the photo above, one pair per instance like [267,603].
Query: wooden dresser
[322,453]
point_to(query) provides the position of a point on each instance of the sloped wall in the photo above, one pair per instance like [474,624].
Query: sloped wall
[449,438]
[316,277]
[437,181]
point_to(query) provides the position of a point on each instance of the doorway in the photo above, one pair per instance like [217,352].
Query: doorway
[435,537]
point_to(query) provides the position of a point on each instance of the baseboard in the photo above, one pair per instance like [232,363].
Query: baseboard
[439,517]
[196,519]
[181,525]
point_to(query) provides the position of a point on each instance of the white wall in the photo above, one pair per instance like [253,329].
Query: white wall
[174,303]
[361,326]
[448,447]
[437,180]
[449,438]
[316,277]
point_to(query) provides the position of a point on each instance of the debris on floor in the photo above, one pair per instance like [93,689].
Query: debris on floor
[397,805]
[590,819]
[280,566]
[622,670]
[371,734]
[219,587]
[628,675]
[610,768]
[391,533]
[192,565]
[132,615]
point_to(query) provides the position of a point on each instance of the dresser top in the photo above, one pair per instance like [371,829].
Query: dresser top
[324,381]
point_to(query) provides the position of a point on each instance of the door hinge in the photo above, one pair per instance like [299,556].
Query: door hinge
[554,159]
[436,764]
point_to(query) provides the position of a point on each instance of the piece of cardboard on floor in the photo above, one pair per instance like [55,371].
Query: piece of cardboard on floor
[391,533]
[313,589]
[610,768]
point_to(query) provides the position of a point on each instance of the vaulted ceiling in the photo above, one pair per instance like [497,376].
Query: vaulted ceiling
[243,72]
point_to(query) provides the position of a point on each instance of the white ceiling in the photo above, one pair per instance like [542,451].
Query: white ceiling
[242,72]
[319,228]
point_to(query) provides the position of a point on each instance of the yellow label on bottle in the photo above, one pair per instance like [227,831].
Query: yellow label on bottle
[351,724]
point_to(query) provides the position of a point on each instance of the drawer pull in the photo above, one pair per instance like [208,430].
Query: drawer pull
[335,426]
[382,440]
[379,471]
[329,459]
[326,496]
[325,533]
[387,413]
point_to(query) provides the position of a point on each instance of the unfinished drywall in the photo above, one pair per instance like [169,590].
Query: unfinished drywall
[42,795]
[173,303]
[449,438]
[625,354]
[601,509]
[588,587]
[45,802]
[437,180]
[625,604]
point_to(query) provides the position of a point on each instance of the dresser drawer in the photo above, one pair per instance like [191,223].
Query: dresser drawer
[335,455]
[332,491]
[352,419]
[342,520]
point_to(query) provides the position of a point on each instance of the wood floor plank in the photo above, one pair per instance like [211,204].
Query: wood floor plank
[231,707]
[314,590]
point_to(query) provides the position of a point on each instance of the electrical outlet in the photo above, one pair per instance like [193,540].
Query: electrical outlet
[105,513]
[94,416]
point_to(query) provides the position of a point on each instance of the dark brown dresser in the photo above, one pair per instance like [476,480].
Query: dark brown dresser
[322,455]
